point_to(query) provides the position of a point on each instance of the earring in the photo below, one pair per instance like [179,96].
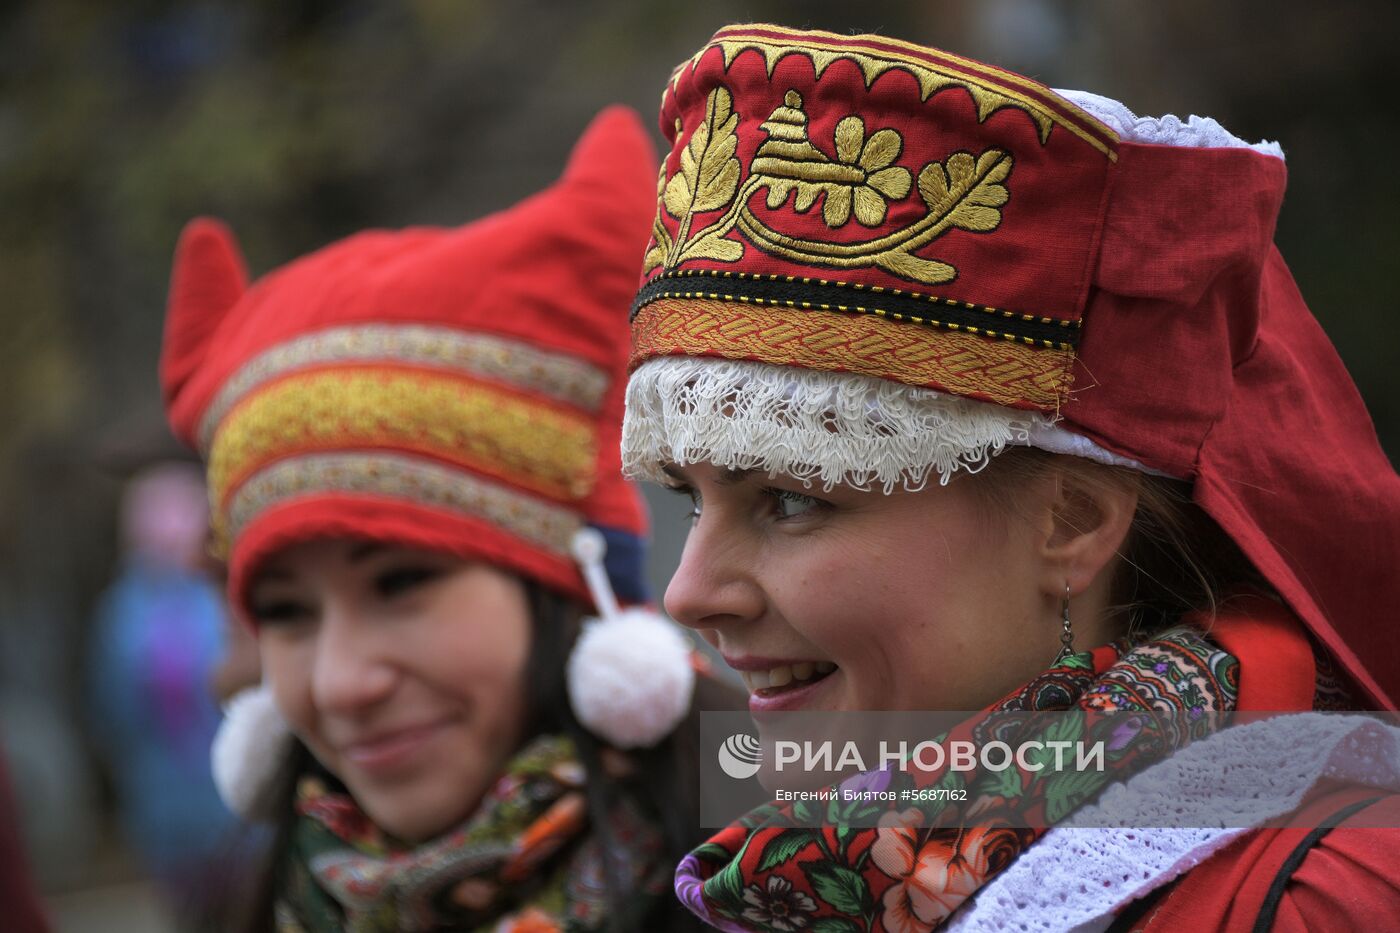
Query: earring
[1066,633]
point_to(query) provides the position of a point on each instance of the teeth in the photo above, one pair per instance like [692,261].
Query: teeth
[785,674]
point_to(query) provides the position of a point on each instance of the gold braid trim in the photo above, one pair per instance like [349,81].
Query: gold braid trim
[421,482]
[965,364]
[559,376]
[490,430]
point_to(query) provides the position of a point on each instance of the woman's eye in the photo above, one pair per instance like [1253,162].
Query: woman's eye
[789,504]
[693,495]
[402,580]
[279,612]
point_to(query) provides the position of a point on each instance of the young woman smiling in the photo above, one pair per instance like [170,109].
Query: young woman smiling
[412,448]
[992,397]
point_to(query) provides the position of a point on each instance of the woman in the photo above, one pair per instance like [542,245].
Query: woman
[994,397]
[411,439]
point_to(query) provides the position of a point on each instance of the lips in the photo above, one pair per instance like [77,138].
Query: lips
[775,684]
[392,750]
[782,676]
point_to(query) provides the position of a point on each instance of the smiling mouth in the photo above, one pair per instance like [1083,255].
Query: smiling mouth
[786,677]
[394,751]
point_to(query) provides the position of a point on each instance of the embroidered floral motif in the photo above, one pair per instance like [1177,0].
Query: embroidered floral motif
[935,871]
[881,180]
[863,172]
[777,906]
[861,178]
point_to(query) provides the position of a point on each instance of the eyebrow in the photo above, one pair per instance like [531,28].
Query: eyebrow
[364,551]
[728,476]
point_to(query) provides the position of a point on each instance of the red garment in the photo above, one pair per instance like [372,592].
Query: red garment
[1349,879]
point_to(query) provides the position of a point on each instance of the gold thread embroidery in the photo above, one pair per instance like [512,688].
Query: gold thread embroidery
[967,194]
[1001,371]
[555,375]
[407,478]
[487,429]
[825,48]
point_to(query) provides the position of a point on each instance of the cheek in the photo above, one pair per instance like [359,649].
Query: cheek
[286,667]
[482,664]
[823,594]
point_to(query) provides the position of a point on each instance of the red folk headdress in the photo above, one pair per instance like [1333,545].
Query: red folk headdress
[860,243]
[454,389]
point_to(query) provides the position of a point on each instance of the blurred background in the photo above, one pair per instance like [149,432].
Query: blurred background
[302,121]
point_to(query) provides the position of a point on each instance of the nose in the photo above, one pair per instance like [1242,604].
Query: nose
[715,584]
[352,671]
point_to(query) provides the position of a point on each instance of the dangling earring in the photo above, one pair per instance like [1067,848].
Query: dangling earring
[1066,633]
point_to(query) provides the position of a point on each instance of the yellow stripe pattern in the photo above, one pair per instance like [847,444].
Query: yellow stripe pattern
[544,449]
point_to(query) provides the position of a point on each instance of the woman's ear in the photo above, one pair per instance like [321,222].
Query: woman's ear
[1090,518]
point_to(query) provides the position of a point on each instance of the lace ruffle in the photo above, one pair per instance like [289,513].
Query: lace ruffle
[1169,130]
[820,427]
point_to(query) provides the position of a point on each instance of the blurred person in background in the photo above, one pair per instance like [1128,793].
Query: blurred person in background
[412,443]
[157,638]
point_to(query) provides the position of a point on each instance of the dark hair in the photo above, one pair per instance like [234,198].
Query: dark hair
[1175,560]
[663,785]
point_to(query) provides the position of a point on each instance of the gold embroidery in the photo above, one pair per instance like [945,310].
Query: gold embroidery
[967,194]
[410,479]
[708,176]
[527,442]
[984,84]
[1001,371]
[556,375]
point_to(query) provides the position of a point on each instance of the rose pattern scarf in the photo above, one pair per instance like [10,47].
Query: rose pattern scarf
[766,872]
[525,862]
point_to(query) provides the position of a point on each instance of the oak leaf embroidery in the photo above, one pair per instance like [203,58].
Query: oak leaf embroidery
[860,180]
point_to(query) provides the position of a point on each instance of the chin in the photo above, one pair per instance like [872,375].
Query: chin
[411,824]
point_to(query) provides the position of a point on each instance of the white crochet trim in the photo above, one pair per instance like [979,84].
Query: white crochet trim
[1076,876]
[1197,131]
[822,427]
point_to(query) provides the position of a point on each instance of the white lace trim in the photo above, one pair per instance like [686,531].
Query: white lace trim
[820,427]
[1197,131]
[1076,876]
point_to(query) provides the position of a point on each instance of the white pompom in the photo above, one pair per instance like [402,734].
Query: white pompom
[249,750]
[630,678]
